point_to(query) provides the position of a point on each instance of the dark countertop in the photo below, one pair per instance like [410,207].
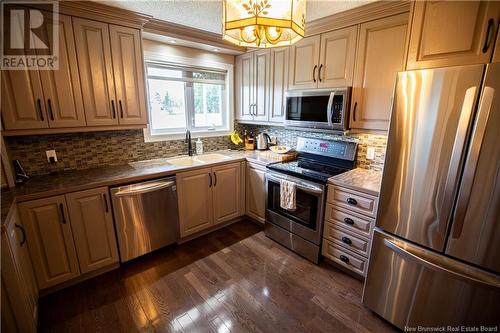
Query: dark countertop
[70,181]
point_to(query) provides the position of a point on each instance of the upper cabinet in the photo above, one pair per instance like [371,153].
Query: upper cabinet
[380,55]
[96,71]
[324,61]
[304,57]
[129,75]
[100,82]
[336,64]
[260,85]
[452,33]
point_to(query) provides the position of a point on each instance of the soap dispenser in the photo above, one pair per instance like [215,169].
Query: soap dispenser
[199,147]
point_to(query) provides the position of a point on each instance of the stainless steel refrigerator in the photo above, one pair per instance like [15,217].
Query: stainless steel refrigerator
[435,256]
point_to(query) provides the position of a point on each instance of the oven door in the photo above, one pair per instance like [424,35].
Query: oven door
[307,219]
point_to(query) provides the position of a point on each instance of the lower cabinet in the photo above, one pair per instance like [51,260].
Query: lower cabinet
[50,240]
[19,289]
[348,228]
[92,224]
[69,235]
[208,197]
[256,192]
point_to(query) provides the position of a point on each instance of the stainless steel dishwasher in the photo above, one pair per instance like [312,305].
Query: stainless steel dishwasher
[146,216]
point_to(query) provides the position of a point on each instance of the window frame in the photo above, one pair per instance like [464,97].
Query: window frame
[162,60]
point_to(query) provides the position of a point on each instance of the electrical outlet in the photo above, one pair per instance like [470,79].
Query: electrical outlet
[51,153]
[370,153]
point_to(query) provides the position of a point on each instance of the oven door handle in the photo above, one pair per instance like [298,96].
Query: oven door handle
[300,185]
[329,110]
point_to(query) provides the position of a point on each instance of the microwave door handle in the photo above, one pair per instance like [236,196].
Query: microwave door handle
[329,109]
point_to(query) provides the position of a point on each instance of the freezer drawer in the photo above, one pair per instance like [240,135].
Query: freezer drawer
[146,216]
[410,286]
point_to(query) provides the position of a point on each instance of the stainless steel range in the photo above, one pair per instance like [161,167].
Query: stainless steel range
[300,229]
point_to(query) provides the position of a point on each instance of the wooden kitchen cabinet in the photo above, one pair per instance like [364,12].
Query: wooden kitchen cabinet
[337,55]
[93,231]
[128,74]
[19,289]
[96,71]
[209,196]
[194,191]
[304,57]
[256,192]
[380,55]
[244,80]
[50,240]
[226,192]
[61,88]
[262,88]
[452,33]
[279,83]
[23,105]
[496,53]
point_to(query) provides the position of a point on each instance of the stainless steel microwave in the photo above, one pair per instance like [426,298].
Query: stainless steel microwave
[320,109]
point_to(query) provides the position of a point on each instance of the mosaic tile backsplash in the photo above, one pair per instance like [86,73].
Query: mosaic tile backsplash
[87,150]
[288,137]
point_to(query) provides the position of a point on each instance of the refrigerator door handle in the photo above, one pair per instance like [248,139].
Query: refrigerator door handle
[481,278]
[456,158]
[484,110]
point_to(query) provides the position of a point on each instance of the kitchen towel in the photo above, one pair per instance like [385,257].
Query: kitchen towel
[287,195]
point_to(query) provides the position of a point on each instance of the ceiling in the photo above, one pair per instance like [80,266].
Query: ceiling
[207,14]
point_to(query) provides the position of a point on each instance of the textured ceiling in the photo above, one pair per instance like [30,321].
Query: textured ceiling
[207,14]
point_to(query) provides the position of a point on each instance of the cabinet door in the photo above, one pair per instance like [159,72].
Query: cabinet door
[380,55]
[304,57]
[23,104]
[50,240]
[226,192]
[17,272]
[96,71]
[244,86]
[61,88]
[194,190]
[262,88]
[279,83]
[496,54]
[256,193]
[128,69]
[452,33]
[93,231]
[338,51]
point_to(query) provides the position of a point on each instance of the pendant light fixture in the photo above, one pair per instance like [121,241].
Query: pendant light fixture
[263,23]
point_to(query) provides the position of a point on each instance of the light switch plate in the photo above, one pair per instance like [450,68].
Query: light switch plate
[370,153]
[51,153]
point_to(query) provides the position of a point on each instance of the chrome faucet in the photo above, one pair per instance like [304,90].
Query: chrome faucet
[190,144]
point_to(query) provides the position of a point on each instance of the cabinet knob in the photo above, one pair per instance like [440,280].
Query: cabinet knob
[348,221]
[20,227]
[344,258]
[352,201]
[347,240]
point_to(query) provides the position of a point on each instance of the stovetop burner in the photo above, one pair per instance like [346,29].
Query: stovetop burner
[319,159]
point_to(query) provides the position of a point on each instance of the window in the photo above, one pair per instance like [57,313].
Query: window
[182,98]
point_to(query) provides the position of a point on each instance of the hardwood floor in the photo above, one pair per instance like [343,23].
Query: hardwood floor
[232,280]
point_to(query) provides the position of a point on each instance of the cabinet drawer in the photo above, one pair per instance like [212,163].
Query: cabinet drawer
[358,202]
[358,224]
[344,257]
[346,240]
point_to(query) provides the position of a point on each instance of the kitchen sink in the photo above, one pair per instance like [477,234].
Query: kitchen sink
[185,161]
[211,158]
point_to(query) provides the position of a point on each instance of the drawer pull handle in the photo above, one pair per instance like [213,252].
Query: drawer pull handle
[63,217]
[347,240]
[352,201]
[348,221]
[20,227]
[344,258]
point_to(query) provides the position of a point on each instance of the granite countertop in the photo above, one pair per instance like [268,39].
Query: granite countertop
[362,180]
[77,180]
